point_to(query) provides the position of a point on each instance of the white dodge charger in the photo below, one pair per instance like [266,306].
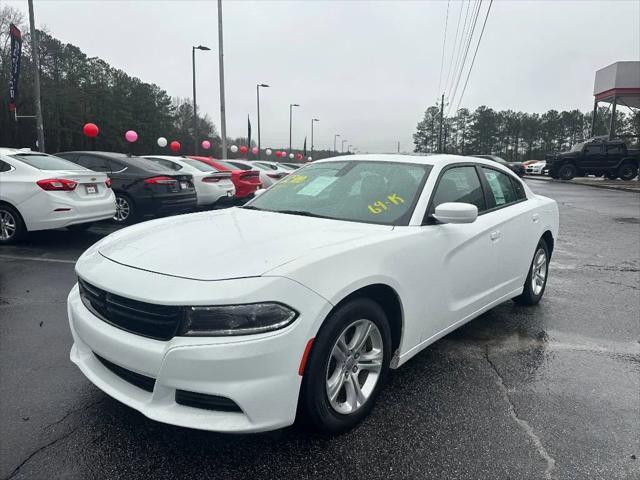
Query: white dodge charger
[299,303]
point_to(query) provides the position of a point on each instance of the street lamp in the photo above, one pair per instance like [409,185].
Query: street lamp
[312,121]
[195,114]
[334,142]
[342,147]
[349,148]
[291,105]
[264,85]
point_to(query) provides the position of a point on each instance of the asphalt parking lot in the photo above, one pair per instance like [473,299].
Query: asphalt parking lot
[551,391]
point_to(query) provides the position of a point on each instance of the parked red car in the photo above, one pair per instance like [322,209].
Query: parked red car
[245,181]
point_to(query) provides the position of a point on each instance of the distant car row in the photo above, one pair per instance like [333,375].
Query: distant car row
[75,189]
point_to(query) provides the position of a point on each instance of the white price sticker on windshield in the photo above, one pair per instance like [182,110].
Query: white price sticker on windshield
[316,186]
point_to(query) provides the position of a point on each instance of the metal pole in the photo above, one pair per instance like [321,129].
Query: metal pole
[612,122]
[334,142]
[312,120]
[290,115]
[593,117]
[36,83]
[195,114]
[223,118]
[342,146]
[258,99]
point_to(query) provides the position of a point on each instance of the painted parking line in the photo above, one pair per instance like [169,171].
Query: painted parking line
[36,259]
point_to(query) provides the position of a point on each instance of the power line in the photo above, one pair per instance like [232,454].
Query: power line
[444,42]
[464,58]
[458,55]
[455,43]
[474,55]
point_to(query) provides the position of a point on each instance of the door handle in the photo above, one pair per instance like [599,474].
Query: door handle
[535,218]
[495,235]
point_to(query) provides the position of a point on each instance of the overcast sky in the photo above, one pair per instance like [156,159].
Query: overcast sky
[366,69]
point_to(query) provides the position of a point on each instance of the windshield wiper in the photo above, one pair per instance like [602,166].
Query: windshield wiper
[302,213]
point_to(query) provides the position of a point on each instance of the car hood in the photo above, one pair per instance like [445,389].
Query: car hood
[226,244]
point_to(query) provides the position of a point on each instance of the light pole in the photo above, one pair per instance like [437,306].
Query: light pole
[195,114]
[334,142]
[36,78]
[342,147]
[264,85]
[223,115]
[291,105]
[312,122]
[349,148]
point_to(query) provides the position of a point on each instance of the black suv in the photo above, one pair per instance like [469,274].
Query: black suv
[598,157]
[142,187]
[515,167]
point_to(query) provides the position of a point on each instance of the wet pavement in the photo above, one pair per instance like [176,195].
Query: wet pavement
[551,391]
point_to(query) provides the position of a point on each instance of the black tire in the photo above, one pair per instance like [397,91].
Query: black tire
[120,217]
[611,176]
[79,227]
[316,408]
[529,295]
[12,227]
[628,171]
[567,172]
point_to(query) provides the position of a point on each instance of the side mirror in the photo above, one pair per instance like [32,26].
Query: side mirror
[259,192]
[454,212]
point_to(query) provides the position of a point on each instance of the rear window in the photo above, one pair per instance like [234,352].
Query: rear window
[46,162]
[241,166]
[203,167]
[147,164]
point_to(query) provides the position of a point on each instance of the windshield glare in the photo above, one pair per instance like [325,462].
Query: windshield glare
[47,162]
[577,147]
[359,191]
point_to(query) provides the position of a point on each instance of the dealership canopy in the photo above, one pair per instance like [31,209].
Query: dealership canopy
[617,84]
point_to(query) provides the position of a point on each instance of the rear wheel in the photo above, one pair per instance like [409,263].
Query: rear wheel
[12,228]
[628,171]
[347,367]
[567,172]
[536,281]
[125,213]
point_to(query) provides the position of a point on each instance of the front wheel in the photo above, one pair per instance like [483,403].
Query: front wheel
[347,367]
[628,171]
[567,172]
[536,281]
[12,228]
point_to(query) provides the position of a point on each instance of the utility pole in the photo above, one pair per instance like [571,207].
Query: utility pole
[334,142]
[398,147]
[258,97]
[36,82]
[195,107]
[441,120]
[223,116]
[291,105]
[312,121]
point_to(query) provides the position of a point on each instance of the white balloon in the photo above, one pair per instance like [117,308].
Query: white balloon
[233,148]
[291,155]
[268,151]
[309,158]
[162,142]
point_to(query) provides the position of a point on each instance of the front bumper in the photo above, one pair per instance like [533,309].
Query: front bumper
[259,372]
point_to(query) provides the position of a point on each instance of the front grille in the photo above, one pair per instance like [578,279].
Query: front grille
[140,381]
[206,402]
[160,322]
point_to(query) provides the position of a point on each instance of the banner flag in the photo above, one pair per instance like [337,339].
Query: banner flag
[248,132]
[305,148]
[16,53]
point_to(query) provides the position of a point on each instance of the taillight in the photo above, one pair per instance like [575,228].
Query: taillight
[275,175]
[57,184]
[160,181]
[211,180]
[107,182]
[216,177]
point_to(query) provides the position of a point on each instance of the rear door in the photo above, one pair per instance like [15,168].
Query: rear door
[615,152]
[592,157]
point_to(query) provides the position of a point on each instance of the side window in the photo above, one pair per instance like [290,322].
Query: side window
[167,163]
[592,149]
[4,166]
[501,187]
[459,184]
[615,149]
[96,164]
[117,166]
[519,188]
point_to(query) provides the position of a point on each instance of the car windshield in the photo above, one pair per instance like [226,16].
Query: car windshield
[577,147]
[232,166]
[267,166]
[47,162]
[203,167]
[360,191]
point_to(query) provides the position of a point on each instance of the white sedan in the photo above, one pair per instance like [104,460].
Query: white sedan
[41,192]
[308,294]
[536,168]
[212,186]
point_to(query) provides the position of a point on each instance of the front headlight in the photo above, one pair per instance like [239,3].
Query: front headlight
[237,319]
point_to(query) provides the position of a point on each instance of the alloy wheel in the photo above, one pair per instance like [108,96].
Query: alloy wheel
[7,225]
[123,210]
[354,366]
[539,272]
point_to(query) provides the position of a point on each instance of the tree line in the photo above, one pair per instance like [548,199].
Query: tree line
[76,89]
[514,136]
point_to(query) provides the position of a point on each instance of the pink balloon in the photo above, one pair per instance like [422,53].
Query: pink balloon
[131,136]
[254,150]
[298,156]
[206,144]
[283,154]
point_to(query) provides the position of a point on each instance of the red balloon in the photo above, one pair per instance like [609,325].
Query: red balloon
[243,150]
[278,153]
[91,130]
[174,146]
[298,156]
